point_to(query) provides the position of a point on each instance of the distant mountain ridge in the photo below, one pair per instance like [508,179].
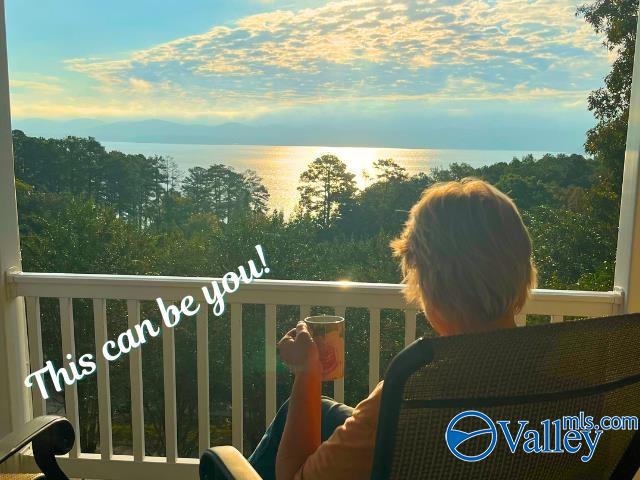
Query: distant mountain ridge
[333,132]
[163,131]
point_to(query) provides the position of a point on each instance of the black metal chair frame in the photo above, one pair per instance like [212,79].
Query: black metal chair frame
[49,436]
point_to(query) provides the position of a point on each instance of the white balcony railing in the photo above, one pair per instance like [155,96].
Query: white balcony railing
[270,293]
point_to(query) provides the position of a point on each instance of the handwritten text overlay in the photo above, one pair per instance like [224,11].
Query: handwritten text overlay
[138,335]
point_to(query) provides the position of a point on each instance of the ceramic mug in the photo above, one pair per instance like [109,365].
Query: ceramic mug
[328,334]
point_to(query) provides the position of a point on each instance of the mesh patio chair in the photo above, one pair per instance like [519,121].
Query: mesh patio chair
[532,373]
[49,436]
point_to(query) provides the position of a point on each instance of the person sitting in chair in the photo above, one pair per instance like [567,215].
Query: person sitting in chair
[466,259]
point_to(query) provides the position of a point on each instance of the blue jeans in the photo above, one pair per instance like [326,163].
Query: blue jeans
[263,459]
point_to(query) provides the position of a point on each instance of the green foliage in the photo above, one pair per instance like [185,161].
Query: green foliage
[568,246]
[382,206]
[63,233]
[526,192]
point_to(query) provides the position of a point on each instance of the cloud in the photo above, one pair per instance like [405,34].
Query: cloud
[363,50]
[38,84]
[140,85]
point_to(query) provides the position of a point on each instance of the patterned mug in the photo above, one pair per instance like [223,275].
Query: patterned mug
[328,334]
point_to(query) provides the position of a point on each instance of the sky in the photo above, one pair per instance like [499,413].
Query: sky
[469,63]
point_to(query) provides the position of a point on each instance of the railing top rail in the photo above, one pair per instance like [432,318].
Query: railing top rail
[103,280]
[38,278]
[280,292]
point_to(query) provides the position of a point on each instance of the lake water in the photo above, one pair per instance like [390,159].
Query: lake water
[280,166]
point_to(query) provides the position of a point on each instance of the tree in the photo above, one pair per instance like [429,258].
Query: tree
[526,192]
[617,20]
[197,187]
[170,171]
[224,192]
[455,171]
[256,194]
[326,189]
[389,170]
[176,211]
[383,206]
[569,248]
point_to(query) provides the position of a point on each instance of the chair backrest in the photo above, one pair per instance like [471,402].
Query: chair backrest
[538,373]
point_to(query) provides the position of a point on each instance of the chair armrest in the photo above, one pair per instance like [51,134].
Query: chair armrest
[226,463]
[49,435]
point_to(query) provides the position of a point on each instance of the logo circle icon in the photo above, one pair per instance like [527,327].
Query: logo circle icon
[455,438]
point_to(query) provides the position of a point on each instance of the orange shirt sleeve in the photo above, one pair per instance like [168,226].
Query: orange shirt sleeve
[348,453]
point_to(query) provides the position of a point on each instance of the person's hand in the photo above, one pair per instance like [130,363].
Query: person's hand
[298,350]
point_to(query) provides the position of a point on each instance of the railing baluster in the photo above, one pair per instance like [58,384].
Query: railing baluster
[70,391]
[135,375]
[338,385]
[521,320]
[202,354]
[305,311]
[374,348]
[270,363]
[36,358]
[409,326]
[557,318]
[169,371]
[104,395]
[237,402]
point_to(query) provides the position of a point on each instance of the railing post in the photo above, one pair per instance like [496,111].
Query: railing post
[627,276]
[14,360]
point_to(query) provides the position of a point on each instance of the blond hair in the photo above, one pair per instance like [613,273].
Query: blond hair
[465,251]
